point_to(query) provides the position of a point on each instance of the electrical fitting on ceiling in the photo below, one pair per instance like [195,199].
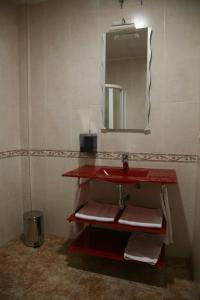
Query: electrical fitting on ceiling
[121,2]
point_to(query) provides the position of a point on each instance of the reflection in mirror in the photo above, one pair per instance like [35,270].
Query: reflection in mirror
[128,56]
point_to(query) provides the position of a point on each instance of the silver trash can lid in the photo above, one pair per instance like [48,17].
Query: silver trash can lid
[33,214]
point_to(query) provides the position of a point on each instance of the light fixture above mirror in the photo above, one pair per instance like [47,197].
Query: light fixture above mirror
[121,2]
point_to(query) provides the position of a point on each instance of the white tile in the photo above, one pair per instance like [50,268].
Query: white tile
[9,56]
[58,127]
[181,127]
[24,128]
[25,179]
[181,78]
[182,27]
[37,135]
[54,194]
[11,214]
[9,133]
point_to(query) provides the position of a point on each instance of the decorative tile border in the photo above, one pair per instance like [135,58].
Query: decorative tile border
[10,153]
[159,157]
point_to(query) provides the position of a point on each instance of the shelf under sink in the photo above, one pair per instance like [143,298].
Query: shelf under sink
[117,226]
[108,244]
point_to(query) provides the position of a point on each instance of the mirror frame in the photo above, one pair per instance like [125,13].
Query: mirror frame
[146,130]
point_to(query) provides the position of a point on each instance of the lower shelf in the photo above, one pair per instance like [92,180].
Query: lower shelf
[106,243]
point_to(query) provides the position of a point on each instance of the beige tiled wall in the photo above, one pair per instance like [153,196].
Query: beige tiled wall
[196,237]
[66,71]
[66,96]
[10,169]
[67,65]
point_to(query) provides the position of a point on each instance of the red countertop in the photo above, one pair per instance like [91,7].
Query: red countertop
[163,176]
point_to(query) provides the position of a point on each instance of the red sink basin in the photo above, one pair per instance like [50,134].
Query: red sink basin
[118,175]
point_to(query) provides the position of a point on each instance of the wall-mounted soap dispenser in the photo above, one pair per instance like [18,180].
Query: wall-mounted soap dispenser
[88,142]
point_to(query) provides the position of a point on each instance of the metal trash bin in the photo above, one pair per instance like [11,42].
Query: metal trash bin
[33,228]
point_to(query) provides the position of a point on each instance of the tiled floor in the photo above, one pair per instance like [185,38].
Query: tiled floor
[49,273]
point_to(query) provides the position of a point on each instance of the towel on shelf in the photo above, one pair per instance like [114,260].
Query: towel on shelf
[167,214]
[142,217]
[144,247]
[98,212]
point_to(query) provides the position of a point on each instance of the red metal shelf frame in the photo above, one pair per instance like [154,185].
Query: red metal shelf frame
[117,226]
[107,243]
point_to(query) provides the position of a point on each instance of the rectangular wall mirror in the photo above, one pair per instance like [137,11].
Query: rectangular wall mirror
[127,78]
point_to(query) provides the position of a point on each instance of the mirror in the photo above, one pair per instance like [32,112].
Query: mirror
[127,78]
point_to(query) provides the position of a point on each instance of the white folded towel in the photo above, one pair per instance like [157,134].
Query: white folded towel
[167,214]
[144,247]
[98,212]
[142,217]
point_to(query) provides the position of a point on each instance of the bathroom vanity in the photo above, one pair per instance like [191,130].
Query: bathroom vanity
[109,239]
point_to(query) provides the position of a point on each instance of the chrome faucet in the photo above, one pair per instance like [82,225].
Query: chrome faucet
[125,162]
